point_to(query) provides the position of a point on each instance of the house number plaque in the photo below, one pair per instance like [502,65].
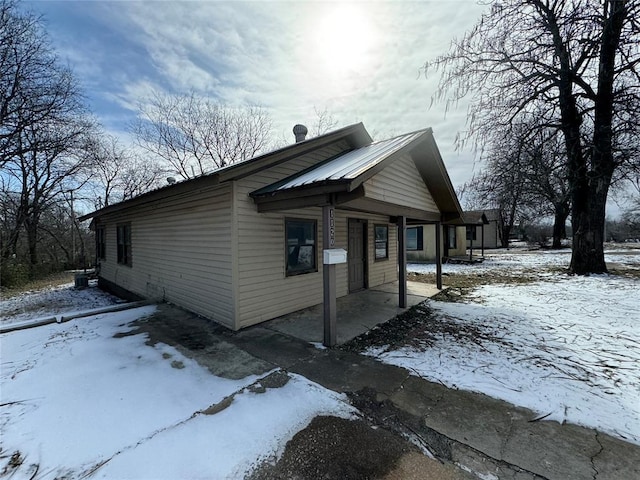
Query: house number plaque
[332,228]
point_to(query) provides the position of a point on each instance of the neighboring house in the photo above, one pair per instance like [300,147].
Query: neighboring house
[481,233]
[421,244]
[245,243]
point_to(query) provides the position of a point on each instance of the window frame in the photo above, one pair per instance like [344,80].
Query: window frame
[123,242]
[314,268]
[471,233]
[419,239]
[377,258]
[452,235]
[101,242]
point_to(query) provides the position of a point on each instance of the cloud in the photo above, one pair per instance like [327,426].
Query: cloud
[361,61]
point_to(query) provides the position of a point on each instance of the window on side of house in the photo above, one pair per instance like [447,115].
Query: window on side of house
[453,241]
[415,238]
[471,233]
[101,245]
[301,238]
[124,244]
[381,235]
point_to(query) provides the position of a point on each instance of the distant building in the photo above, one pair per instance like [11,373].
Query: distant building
[421,244]
[480,233]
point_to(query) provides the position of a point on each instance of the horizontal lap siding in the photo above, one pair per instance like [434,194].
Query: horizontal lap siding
[264,290]
[401,184]
[181,252]
[382,271]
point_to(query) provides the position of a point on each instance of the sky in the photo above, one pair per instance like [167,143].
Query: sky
[361,62]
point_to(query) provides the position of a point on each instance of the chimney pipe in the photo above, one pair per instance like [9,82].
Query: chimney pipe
[300,131]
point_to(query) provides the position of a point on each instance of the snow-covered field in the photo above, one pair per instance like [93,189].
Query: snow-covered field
[78,402]
[565,347]
[53,301]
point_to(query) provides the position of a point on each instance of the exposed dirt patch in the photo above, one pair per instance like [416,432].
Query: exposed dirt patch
[335,448]
[53,280]
[419,327]
[458,286]
[623,270]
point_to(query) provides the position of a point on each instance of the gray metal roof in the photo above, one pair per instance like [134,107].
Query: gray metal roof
[347,166]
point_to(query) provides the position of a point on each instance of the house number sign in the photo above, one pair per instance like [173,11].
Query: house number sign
[332,228]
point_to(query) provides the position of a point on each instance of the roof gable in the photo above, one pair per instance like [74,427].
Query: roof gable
[348,171]
[351,167]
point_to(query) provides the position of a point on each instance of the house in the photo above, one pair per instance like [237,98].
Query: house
[421,244]
[259,239]
[481,233]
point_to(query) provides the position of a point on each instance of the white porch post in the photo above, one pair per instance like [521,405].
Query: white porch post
[438,257]
[329,278]
[402,262]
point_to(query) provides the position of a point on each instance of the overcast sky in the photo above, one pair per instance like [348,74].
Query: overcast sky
[361,61]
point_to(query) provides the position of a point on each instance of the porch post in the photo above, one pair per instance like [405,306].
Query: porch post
[471,243]
[438,257]
[329,278]
[402,262]
[483,240]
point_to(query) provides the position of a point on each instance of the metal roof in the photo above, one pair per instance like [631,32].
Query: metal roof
[347,166]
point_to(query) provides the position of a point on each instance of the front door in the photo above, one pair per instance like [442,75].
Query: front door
[356,254]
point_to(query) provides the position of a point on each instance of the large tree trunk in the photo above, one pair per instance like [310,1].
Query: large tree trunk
[559,226]
[588,217]
[588,235]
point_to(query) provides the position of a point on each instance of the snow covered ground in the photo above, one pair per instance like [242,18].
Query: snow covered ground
[565,347]
[53,301]
[78,402]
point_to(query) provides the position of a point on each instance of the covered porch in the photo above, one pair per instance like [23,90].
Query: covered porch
[403,182]
[356,313]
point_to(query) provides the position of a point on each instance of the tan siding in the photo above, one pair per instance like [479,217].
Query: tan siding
[400,183]
[264,290]
[382,271]
[181,252]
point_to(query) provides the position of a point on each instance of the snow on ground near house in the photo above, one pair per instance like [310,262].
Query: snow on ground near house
[566,347]
[514,262]
[53,301]
[74,397]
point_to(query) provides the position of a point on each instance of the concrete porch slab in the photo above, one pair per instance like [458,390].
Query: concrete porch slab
[356,312]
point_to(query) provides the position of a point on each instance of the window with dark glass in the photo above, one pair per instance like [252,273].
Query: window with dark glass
[124,244]
[381,235]
[414,238]
[471,233]
[101,246]
[301,246]
[453,242]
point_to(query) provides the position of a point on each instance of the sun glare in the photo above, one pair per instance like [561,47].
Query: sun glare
[344,38]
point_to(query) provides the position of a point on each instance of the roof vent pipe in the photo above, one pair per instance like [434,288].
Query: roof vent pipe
[300,131]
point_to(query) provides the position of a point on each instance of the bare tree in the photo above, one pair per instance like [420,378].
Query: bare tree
[576,60]
[195,135]
[325,122]
[33,83]
[531,161]
[49,165]
[44,131]
[503,191]
[117,173]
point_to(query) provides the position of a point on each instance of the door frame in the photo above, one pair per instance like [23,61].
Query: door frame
[365,250]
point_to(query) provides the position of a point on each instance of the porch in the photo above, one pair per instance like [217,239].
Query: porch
[356,313]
